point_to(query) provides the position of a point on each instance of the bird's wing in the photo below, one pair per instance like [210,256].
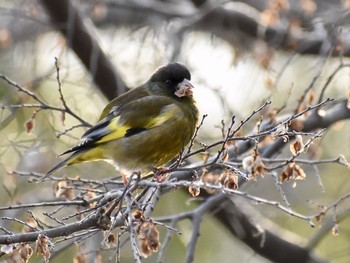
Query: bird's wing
[132,95]
[130,119]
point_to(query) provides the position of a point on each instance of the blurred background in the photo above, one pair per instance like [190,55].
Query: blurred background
[240,54]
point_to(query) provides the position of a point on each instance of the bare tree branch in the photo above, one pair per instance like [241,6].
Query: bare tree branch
[68,20]
[262,241]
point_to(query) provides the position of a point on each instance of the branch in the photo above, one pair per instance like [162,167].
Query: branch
[82,225]
[197,216]
[239,24]
[262,241]
[67,19]
[42,105]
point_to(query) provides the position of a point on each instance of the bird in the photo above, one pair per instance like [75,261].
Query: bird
[144,128]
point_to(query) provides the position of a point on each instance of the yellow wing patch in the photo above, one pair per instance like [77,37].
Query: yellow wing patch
[93,154]
[168,113]
[116,131]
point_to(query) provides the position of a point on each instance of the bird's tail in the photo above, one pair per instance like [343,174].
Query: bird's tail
[58,166]
[87,155]
[70,160]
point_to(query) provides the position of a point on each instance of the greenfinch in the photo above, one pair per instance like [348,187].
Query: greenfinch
[144,128]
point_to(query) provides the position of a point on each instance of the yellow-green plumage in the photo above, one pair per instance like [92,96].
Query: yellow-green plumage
[144,128]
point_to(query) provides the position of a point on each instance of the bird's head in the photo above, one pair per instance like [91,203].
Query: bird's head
[173,79]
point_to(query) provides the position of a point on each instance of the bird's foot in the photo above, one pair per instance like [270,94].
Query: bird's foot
[160,174]
[136,176]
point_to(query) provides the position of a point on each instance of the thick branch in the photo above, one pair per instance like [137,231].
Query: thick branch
[234,26]
[68,20]
[263,242]
[66,230]
[238,23]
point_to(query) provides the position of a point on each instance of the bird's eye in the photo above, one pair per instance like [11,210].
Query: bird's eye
[168,82]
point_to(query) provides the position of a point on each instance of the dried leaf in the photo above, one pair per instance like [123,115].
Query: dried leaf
[63,117]
[297,146]
[20,253]
[335,230]
[138,215]
[209,178]
[224,155]
[63,189]
[229,179]
[299,173]
[194,190]
[29,125]
[286,174]
[254,165]
[90,195]
[25,251]
[148,237]
[43,246]
[111,240]
[292,172]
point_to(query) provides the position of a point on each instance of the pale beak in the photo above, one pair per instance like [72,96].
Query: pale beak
[184,88]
